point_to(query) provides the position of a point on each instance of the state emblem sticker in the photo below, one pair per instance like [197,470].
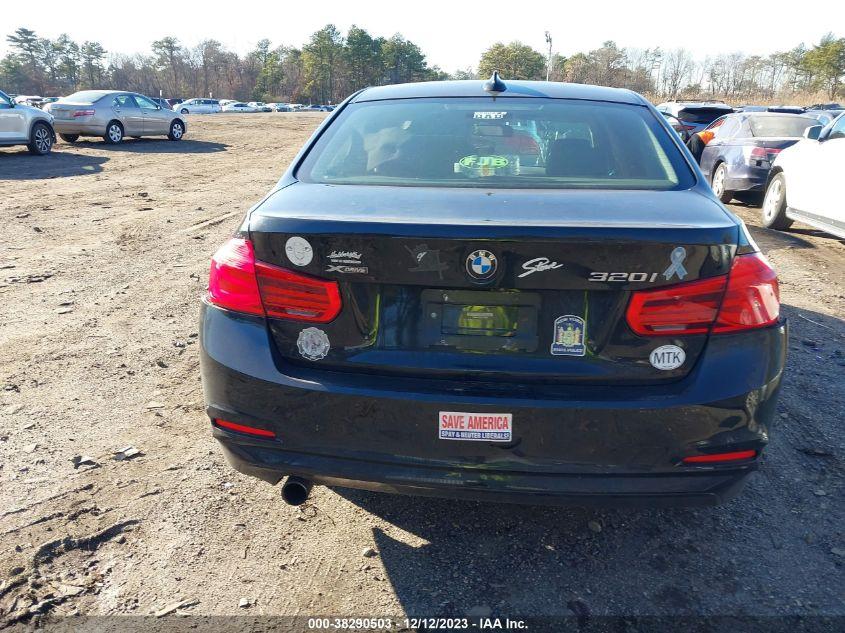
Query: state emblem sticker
[569,337]
[313,343]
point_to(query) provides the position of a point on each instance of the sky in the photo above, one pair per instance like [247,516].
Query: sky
[452,34]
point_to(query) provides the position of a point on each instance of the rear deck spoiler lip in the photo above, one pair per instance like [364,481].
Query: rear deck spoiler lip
[469,232]
[307,207]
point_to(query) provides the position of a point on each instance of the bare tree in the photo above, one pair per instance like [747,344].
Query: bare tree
[677,66]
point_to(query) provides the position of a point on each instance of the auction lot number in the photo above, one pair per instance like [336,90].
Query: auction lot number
[424,624]
[388,624]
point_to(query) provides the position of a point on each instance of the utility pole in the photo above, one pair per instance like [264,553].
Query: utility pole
[549,63]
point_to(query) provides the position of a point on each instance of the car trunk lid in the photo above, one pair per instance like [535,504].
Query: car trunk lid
[443,282]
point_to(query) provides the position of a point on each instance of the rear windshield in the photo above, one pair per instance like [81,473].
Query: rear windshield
[786,125]
[84,96]
[506,143]
[702,116]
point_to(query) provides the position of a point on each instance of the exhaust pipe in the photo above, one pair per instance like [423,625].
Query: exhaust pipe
[295,490]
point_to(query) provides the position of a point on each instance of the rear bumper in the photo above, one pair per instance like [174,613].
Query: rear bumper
[76,127]
[579,445]
[271,464]
[747,178]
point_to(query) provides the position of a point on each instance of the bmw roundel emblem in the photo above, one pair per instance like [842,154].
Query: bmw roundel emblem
[481,265]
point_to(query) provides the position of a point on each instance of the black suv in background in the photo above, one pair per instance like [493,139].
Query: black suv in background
[695,115]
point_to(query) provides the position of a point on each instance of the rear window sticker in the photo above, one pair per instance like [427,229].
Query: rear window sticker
[313,343]
[667,357]
[475,165]
[489,115]
[569,336]
[299,251]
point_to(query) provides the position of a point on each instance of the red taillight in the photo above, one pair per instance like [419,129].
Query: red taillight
[746,298]
[238,282]
[231,283]
[243,428]
[734,456]
[688,308]
[79,113]
[290,295]
[752,298]
[767,154]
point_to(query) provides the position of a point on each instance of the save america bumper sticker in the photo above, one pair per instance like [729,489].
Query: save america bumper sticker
[479,427]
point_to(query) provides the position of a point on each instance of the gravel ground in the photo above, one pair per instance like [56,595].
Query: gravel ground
[104,260]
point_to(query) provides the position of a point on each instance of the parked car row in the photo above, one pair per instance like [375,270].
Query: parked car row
[196,105]
[785,157]
[111,115]
[213,106]
[260,106]
[689,117]
[738,158]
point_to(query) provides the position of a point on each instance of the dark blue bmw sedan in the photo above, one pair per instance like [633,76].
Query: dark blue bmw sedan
[739,158]
[510,291]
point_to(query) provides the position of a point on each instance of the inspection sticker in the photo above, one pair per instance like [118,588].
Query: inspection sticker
[478,427]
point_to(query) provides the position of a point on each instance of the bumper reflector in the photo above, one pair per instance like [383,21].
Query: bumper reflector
[720,457]
[242,428]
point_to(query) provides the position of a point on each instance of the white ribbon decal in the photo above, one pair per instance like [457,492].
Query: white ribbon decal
[677,266]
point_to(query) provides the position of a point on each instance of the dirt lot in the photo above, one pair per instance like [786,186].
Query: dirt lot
[103,261]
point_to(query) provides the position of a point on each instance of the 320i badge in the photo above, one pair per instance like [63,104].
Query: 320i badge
[511,291]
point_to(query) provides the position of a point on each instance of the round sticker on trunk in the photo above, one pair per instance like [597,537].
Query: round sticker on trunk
[299,251]
[313,343]
[667,357]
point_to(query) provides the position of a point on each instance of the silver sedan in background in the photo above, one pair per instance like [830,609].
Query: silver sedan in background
[113,115]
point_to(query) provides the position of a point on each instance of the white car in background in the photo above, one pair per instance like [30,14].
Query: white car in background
[238,107]
[804,181]
[21,124]
[198,106]
[225,102]
[28,100]
[260,106]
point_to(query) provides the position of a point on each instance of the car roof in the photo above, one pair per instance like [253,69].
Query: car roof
[515,88]
[768,115]
[683,105]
